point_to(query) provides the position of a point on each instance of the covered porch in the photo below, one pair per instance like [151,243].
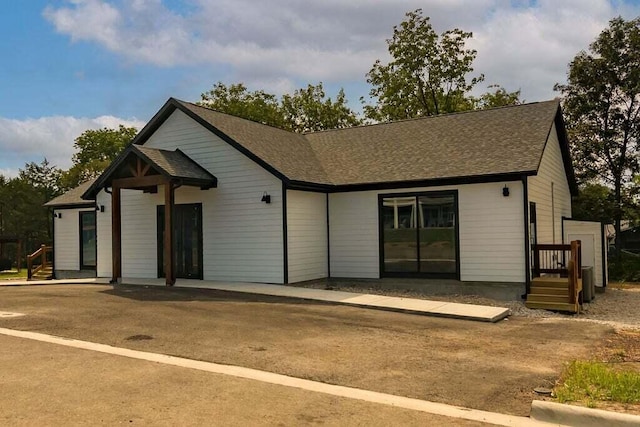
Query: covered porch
[150,170]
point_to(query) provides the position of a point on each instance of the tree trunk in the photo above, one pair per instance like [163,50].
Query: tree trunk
[618,216]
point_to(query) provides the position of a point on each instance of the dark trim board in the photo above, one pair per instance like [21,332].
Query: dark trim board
[382,272]
[328,236]
[527,239]
[285,236]
[53,243]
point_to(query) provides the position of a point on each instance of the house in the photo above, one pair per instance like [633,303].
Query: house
[460,196]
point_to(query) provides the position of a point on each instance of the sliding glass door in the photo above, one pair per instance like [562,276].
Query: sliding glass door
[419,235]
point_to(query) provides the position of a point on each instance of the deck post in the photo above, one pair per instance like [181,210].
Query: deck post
[169,264]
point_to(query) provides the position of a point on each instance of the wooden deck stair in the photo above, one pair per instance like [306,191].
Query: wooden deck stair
[42,270]
[45,273]
[557,277]
[550,293]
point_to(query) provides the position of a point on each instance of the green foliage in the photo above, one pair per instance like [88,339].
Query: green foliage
[427,75]
[95,150]
[625,268]
[589,382]
[498,97]
[236,100]
[593,203]
[43,176]
[308,109]
[602,106]
[22,199]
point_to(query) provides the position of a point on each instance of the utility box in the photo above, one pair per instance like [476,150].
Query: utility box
[588,284]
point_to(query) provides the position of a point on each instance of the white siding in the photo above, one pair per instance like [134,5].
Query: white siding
[491,229]
[550,207]
[306,235]
[67,239]
[103,224]
[353,234]
[592,229]
[242,237]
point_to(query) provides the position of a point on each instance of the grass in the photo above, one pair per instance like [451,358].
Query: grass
[12,274]
[590,382]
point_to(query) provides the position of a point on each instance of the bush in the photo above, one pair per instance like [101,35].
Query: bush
[624,269]
[5,264]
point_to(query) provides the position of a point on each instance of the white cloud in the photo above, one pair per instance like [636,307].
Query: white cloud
[52,138]
[521,44]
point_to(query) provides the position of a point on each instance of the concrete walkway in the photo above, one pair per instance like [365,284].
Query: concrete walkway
[480,313]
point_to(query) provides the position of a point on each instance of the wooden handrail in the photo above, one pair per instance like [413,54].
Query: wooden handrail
[44,262]
[552,259]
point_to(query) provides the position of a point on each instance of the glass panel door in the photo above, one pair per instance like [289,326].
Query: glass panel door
[437,234]
[419,235]
[88,240]
[400,234]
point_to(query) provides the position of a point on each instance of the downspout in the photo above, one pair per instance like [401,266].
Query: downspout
[527,255]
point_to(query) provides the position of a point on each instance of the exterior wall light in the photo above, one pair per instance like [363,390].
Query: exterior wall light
[505,191]
[57,214]
[100,208]
[266,198]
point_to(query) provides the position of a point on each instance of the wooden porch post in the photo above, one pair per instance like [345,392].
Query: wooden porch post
[116,235]
[169,264]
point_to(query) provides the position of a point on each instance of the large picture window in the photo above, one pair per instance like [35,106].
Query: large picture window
[419,234]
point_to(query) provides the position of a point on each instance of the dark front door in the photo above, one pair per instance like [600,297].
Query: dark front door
[187,226]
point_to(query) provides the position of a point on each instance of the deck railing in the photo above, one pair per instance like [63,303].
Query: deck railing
[562,260]
[39,260]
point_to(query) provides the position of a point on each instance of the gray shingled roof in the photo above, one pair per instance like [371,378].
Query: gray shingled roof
[73,197]
[175,164]
[287,152]
[487,142]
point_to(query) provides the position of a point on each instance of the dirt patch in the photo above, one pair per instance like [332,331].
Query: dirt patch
[49,385]
[493,367]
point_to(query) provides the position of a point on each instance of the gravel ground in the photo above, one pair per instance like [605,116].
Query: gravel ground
[619,306]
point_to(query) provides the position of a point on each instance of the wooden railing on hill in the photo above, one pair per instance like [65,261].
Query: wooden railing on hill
[43,255]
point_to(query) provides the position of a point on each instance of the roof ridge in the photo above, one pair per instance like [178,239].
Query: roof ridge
[455,113]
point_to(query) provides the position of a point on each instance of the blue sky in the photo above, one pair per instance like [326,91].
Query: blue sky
[72,65]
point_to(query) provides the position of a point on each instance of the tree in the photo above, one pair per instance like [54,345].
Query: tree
[95,150]
[602,106]
[236,100]
[427,75]
[593,203]
[499,97]
[43,176]
[307,110]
